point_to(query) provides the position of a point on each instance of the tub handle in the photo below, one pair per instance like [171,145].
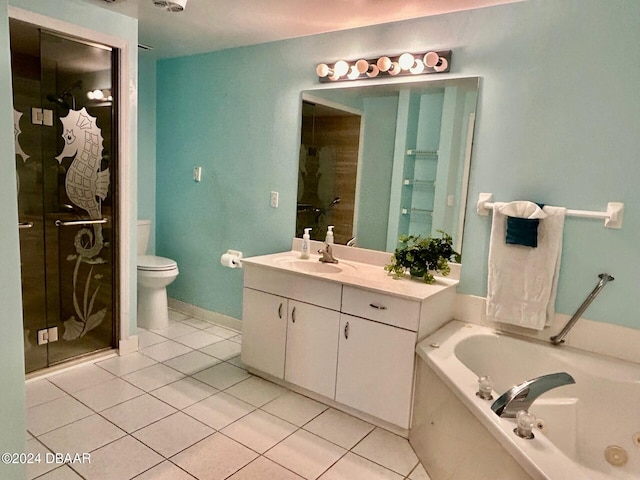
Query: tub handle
[346,331]
[280,310]
[377,306]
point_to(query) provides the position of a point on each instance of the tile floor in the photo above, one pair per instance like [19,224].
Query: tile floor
[183,407]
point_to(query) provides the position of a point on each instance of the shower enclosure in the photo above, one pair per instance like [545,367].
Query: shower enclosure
[65,138]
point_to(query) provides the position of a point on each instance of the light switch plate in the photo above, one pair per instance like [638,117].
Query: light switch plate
[274,199]
[197,174]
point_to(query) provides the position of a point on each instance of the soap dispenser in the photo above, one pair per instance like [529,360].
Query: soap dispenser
[329,238]
[306,243]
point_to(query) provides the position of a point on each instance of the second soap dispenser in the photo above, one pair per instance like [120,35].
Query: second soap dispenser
[306,244]
[329,238]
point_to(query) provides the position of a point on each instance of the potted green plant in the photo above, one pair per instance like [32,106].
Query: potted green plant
[422,255]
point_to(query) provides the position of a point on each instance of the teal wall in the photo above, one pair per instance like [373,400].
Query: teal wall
[557,122]
[12,418]
[147,143]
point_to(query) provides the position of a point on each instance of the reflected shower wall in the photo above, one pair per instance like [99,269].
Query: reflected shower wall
[327,172]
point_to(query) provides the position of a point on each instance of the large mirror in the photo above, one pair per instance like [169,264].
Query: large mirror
[380,161]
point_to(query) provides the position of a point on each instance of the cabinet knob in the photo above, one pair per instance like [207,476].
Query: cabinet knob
[346,331]
[293,315]
[280,310]
[377,306]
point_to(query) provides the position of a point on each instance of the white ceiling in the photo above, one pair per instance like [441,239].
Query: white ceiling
[208,25]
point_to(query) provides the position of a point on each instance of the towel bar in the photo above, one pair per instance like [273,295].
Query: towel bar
[612,217]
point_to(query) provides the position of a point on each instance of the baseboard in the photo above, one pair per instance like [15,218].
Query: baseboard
[208,315]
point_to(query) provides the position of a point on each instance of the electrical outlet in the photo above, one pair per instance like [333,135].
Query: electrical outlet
[274,199]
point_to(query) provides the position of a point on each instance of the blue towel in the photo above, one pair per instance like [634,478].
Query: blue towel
[523,231]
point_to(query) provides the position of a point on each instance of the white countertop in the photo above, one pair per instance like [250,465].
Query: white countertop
[348,272]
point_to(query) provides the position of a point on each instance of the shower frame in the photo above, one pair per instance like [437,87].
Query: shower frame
[124,230]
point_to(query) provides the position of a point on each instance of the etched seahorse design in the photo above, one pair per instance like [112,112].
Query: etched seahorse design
[84,181]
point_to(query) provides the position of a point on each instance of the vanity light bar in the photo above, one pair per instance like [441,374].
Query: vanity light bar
[386,66]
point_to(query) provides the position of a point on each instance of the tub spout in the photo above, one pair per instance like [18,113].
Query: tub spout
[522,396]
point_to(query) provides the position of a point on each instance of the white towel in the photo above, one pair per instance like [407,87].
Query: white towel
[523,281]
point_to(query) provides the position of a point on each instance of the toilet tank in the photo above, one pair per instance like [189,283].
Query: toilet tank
[144,229]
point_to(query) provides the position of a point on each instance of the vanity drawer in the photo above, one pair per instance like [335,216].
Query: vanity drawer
[388,309]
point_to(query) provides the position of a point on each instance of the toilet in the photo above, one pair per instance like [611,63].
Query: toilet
[154,274]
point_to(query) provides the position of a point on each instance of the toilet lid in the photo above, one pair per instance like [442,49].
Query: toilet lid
[155,264]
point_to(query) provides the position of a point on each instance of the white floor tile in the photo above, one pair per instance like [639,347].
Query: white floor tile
[80,378]
[237,339]
[222,376]
[306,454]
[256,391]
[137,413]
[153,377]
[175,316]
[263,468]
[295,408]
[82,436]
[108,394]
[196,323]
[338,427]
[259,430]
[173,434]
[165,350]
[165,471]
[214,458]
[61,473]
[184,392]
[126,363]
[237,361]
[175,330]
[147,338]
[353,467]
[224,350]
[222,331]
[41,391]
[48,416]
[36,469]
[122,459]
[198,339]
[192,362]
[419,473]
[219,410]
[388,450]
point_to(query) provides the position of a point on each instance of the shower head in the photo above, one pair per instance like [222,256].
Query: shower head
[60,99]
[334,202]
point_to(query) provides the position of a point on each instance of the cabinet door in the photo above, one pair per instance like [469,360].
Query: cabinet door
[375,369]
[264,331]
[312,348]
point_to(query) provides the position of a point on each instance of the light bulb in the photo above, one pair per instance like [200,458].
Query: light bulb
[406,61]
[353,73]
[90,96]
[374,71]
[417,68]
[442,65]
[98,94]
[363,66]
[384,63]
[341,68]
[323,70]
[431,59]
[334,76]
[394,69]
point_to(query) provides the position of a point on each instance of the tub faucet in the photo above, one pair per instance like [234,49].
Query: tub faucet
[522,396]
[327,254]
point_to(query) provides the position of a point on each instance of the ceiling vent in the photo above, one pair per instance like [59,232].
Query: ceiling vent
[171,5]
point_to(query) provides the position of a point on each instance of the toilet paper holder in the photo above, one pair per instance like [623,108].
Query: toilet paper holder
[231,259]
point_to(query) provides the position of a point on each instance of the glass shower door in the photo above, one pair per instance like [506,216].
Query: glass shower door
[68,255]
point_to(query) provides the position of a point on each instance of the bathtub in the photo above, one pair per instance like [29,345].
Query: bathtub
[456,434]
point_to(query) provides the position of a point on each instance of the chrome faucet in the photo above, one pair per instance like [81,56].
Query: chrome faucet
[327,254]
[522,396]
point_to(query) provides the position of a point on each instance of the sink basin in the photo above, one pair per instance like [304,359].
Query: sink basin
[313,266]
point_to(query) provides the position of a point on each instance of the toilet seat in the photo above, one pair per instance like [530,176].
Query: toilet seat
[152,263]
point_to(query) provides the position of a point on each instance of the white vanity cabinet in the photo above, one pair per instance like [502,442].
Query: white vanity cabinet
[312,348]
[348,338]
